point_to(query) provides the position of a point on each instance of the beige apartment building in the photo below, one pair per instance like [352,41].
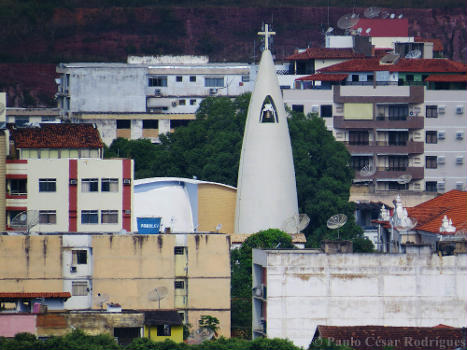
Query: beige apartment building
[186,272]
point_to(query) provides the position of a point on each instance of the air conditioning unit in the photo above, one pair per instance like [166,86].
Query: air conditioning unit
[441,186]
[441,160]
[127,212]
[441,109]
[158,92]
[72,268]
[213,91]
[441,135]
[174,103]
[339,108]
[315,109]
[459,135]
[73,181]
[460,110]
[127,181]
[459,186]
[459,160]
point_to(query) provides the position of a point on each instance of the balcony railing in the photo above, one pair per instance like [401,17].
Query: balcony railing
[383,123]
[384,147]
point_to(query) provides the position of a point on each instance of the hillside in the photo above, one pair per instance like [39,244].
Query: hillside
[38,38]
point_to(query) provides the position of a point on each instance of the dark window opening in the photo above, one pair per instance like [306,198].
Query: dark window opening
[124,124]
[398,163]
[268,111]
[79,257]
[126,335]
[409,77]
[179,78]
[157,81]
[395,186]
[359,162]
[355,77]
[326,111]
[370,77]
[179,284]
[431,137]
[431,162]
[297,108]
[179,250]
[398,112]
[47,185]
[431,186]
[18,187]
[150,124]
[193,78]
[163,330]
[432,111]
[358,138]
[398,138]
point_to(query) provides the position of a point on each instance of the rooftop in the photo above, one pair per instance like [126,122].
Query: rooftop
[324,53]
[160,317]
[60,135]
[21,295]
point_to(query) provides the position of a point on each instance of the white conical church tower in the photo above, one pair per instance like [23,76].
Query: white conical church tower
[266,190]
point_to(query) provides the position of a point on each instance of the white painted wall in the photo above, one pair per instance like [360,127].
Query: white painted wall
[309,288]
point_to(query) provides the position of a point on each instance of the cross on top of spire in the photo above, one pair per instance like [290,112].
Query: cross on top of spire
[266,34]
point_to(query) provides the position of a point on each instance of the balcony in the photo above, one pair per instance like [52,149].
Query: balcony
[379,123]
[383,147]
[395,172]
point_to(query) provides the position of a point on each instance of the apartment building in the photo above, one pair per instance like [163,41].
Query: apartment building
[56,174]
[391,112]
[189,273]
[146,96]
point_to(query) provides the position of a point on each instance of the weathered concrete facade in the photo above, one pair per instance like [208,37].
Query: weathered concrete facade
[193,268]
[306,288]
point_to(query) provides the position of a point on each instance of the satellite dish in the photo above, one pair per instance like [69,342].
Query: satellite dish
[368,30]
[367,171]
[404,179]
[336,222]
[101,299]
[218,227]
[200,335]
[359,30]
[392,16]
[384,14]
[157,294]
[400,16]
[25,220]
[371,12]
[347,21]
[296,223]
[329,30]
[413,54]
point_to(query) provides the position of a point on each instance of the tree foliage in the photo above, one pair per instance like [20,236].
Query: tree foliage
[241,283]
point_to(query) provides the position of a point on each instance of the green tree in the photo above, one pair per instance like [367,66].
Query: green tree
[241,283]
[209,322]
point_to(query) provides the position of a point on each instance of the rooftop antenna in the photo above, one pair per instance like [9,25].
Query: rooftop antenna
[25,220]
[101,299]
[295,223]
[347,21]
[371,12]
[336,222]
[368,30]
[414,54]
[157,294]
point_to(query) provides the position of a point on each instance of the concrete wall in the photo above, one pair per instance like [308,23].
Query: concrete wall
[306,288]
[12,324]
[216,205]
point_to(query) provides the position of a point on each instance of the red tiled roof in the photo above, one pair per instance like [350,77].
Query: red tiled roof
[397,338]
[329,53]
[420,65]
[429,214]
[20,295]
[62,135]
[383,27]
[447,78]
[324,77]
[437,43]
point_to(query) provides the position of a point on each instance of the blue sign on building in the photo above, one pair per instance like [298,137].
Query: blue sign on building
[148,225]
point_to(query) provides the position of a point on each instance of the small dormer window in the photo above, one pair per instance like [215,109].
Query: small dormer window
[268,111]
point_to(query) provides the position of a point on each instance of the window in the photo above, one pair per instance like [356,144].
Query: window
[398,112]
[358,138]
[48,118]
[395,186]
[326,111]
[398,138]
[182,102]
[431,186]
[354,77]
[409,77]
[157,81]
[214,82]
[79,257]
[398,163]
[370,77]
[193,102]
[179,250]
[359,162]
[179,78]
[431,162]
[79,288]
[109,217]
[109,185]
[150,124]
[89,217]
[21,121]
[18,187]
[192,78]
[245,78]
[431,137]
[48,217]
[47,185]
[124,124]
[163,330]
[179,284]
[432,111]
[89,185]
[297,108]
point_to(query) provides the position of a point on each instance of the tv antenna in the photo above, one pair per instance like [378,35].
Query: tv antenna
[367,31]
[347,21]
[101,299]
[25,220]
[336,222]
[404,179]
[413,54]
[371,12]
[368,170]
[296,223]
[157,294]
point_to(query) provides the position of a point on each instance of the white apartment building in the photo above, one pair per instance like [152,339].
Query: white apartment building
[146,96]
[55,173]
